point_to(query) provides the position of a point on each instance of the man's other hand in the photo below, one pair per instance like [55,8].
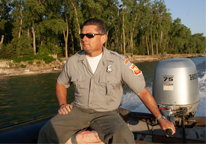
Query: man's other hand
[65,108]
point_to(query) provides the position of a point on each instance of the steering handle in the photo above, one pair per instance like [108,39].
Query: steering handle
[168,132]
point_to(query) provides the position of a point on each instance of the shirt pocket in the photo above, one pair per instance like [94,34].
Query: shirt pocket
[79,82]
[109,84]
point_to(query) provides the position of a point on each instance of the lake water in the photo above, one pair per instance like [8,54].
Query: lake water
[25,97]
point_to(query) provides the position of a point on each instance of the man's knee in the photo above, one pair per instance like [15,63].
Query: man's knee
[47,134]
[122,129]
[121,134]
[42,138]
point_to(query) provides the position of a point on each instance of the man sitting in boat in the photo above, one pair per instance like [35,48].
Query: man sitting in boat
[98,75]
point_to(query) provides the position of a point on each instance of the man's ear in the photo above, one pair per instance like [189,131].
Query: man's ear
[104,38]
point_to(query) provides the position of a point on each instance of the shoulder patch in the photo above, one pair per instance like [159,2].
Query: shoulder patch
[126,61]
[135,69]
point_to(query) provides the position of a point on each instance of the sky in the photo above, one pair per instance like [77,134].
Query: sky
[191,12]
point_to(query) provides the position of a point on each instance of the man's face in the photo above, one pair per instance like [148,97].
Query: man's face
[92,46]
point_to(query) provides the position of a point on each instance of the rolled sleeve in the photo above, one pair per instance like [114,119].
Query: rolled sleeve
[63,78]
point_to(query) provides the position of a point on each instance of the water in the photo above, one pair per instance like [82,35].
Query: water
[25,97]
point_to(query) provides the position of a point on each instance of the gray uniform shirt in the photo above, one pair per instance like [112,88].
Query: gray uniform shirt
[101,91]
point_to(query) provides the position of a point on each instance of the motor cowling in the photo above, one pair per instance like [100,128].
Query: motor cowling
[176,88]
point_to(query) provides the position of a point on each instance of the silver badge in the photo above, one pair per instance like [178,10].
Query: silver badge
[109,68]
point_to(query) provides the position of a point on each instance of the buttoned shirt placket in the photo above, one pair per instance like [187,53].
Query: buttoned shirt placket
[92,76]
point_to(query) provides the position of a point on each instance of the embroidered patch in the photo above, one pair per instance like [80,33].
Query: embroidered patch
[126,61]
[135,69]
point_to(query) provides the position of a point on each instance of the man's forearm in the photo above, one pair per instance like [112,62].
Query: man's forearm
[149,102]
[61,93]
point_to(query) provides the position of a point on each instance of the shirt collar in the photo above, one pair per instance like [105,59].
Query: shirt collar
[106,56]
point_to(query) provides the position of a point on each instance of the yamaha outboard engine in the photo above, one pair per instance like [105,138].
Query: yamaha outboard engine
[175,89]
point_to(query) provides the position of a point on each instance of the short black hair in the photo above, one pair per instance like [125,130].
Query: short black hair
[101,27]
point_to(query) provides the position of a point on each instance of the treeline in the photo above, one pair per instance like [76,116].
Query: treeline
[142,27]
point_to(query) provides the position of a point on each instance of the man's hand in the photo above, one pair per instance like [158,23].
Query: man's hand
[65,108]
[165,124]
[150,103]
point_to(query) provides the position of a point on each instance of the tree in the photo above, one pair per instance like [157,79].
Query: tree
[6,7]
[111,16]
[50,26]
[18,24]
[2,23]
[65,33]
[145,20]
[35,11]
[134,20]
[200,42]
[162,26]
[75,6]
[123,28]
[53,26]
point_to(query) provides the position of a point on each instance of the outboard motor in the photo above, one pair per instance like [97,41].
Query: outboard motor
[176,90]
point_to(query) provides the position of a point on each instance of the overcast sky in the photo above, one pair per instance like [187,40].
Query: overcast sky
[191,12]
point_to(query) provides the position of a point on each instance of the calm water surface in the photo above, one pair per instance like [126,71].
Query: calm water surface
[25,97]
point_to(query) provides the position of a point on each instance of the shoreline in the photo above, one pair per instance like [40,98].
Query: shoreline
[146,58]
[7,71]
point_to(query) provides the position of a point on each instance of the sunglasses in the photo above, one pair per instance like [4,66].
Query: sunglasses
[88,35]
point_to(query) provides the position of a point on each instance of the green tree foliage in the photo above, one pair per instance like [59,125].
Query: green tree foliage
[6,7]
[42,27]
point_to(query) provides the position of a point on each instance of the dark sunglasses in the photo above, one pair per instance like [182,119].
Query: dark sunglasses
[88,35]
